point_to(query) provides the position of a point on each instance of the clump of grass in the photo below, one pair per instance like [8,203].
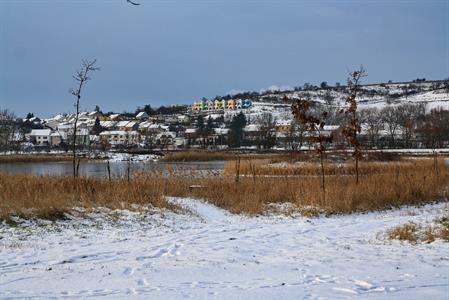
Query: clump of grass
[415,233]
[406,232]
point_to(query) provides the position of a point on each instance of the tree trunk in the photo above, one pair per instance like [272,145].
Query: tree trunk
[323,186]
[74,136]
[237,169]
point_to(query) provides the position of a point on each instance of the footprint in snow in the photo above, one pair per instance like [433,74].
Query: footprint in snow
[142,282]
[128,271]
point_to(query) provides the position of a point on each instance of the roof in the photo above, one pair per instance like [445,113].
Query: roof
[56,133]
[130,124]
[142,114]
[121,123]
[114,132]
[107,124]
[221,130]
[251,127]
[114,116]
[45,132]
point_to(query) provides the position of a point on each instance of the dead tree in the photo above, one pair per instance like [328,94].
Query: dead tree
[353,128]
[315,126]
[82,78]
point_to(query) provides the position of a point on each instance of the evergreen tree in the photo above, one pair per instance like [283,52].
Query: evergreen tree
[97,129]
[236,130]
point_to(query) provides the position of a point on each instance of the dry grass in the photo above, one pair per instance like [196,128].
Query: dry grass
[50,197]
[204,155]
[267,167]
[343,195]
[33,158]
[415,233]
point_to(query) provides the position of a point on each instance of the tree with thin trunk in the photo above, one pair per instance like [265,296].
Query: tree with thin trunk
[390,118]
[353,128]
[315,126]
[82,77]
[372,120]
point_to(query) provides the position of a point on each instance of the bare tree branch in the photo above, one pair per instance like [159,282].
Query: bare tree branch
[133,3]
[87,66]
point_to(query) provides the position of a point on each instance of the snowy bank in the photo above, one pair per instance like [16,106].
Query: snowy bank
[212,254]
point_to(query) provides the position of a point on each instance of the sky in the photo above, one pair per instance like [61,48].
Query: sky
[176,51]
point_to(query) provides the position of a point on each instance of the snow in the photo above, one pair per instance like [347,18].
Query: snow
[212,254]
[116,156]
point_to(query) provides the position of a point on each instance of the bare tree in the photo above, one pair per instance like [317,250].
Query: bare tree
[353,128]
[315,126]
[407,117]
[8,129]
[81,76]
[372,120]
[295,136]
[391,121]
[266,136]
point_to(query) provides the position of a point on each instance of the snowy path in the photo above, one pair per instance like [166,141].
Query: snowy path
[216,255]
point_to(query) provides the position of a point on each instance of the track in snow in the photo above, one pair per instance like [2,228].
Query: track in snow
[217,255]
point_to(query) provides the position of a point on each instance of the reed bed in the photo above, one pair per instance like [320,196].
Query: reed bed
[204,155]
[51,197]
[260,167]
[342,194]
[24,158]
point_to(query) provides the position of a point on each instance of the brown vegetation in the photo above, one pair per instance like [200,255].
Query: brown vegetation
[33,158]
[415,233]
[52,196]
[299,168]
[202,155]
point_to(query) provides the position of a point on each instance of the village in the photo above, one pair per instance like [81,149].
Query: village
[392,115]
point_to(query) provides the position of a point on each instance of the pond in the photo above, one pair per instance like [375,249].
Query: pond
[98,168]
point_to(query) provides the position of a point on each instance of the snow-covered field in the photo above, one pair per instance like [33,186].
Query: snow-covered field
[211,254]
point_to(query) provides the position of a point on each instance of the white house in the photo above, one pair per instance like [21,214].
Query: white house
[120,137]
[40,136]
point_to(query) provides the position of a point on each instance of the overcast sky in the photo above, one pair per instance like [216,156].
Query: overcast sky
[176,51]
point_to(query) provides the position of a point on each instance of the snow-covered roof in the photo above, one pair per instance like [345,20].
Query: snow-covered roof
[190,130]
[107,124]
[114,116]
[40,132]
[221,130]
[251,127]
[121,123]
[114,132]
[56,133]
[331,127]
[130,124]
[142,114]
